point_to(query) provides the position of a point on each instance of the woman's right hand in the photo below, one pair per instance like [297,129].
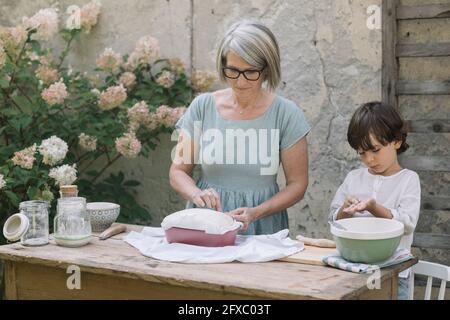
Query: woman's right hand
[208,198]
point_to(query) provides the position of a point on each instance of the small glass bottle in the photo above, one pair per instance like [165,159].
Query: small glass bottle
[37,214]
[72,226]
[68,191]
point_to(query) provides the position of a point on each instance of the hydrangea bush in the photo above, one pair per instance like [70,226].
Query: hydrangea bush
[59,126]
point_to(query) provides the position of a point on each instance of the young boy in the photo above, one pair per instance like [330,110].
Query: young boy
[382,188]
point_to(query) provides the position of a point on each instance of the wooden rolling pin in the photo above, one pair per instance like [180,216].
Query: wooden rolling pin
[112,231]
[323,243]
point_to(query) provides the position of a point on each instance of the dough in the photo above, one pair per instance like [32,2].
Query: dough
[210,221]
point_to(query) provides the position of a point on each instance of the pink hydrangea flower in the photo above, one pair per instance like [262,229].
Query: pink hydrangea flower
[109,60]
[55,94]
[46,60]
[166,79]
[146,52]
[47,74]
[176,65]
[25,158]
[152,122]
[45,21]
[89,15]
[167,116]
[112,97]
[138,115]
[13,39]
[128,79]
[128,145]
[202,80]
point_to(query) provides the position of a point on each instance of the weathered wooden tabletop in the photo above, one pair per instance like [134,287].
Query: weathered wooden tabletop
[112,269]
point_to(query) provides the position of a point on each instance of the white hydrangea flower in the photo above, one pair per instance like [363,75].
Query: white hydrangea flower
[64,175]
[87,142]
[2,181]
[53,150]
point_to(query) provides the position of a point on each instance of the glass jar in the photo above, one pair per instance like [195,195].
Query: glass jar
[37,213]
[72,226]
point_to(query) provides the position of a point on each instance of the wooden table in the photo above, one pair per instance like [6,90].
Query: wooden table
[112,269]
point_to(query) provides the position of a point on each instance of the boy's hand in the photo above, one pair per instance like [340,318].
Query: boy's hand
[359,206]
[349,202]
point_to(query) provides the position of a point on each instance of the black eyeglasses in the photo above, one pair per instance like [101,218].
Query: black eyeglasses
[251,75]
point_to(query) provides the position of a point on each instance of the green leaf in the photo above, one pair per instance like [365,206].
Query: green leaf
[4,83]
[15,200]
[36,46]
[3,129]
[31,193]
[25,121]
[24,104]
[15,124]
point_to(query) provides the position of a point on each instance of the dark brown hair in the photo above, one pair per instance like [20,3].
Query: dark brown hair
[379,120]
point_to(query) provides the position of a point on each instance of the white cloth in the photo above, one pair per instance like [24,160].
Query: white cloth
[151,242]
[400,193]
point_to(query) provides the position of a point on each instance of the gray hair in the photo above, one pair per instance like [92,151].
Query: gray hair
[256,45]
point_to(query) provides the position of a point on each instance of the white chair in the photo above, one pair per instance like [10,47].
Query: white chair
[431,270]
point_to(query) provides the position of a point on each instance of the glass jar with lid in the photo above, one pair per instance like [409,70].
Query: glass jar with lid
[72,226]
[30,225]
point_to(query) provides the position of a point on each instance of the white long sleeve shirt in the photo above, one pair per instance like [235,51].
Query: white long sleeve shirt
[400,193]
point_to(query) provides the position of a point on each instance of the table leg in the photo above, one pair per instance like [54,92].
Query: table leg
[10,281]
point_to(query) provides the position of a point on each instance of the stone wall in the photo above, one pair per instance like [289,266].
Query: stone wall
[331,64]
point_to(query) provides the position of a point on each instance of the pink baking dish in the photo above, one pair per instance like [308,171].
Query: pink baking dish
[200,237]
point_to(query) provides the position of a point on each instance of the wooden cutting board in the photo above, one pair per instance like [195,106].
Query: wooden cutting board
[310,255]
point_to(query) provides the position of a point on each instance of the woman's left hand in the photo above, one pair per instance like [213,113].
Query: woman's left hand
[244,215]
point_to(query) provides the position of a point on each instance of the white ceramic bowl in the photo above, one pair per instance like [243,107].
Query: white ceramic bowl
[102,214]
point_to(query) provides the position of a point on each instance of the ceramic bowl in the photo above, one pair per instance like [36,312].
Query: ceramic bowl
[367,240]
[102,214]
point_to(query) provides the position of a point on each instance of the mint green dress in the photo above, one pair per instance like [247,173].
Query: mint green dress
[240,158]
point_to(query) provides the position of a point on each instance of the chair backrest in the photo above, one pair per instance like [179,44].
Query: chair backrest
[431,270]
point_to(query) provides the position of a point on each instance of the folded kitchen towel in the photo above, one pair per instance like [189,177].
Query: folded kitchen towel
[151,242]
[336,261]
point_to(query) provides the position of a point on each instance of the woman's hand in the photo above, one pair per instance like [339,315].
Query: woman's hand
[244,215]
[208,198]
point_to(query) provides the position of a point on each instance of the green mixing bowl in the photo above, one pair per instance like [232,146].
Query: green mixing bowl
[366,239]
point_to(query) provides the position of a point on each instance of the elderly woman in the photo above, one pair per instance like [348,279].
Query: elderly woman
[239,135]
